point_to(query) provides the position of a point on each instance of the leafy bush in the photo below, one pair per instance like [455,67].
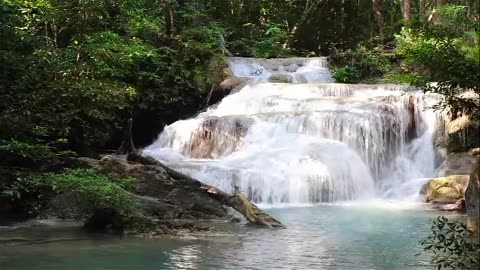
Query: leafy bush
[19,191]
[86,190]
[365,59]
[452,245]
[447,53]
[36,155]
[403,78]
[24,149]
[347,74]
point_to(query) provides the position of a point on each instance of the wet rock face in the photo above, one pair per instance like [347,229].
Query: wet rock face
[445,189]
[457,164]
[472,199]
[216,136]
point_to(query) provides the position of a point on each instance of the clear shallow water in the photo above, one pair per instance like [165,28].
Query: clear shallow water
[318,237]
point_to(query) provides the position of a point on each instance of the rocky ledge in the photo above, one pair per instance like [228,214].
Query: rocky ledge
[169,202]
[458,192]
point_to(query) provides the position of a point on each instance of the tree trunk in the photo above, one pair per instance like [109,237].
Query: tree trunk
[422,7]
[379,14]
[435,16]
[406,11]
[127,143]
[310,7]
[168,16]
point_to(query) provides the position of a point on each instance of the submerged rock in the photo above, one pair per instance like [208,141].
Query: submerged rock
[281,78]
[445,189]
[472,199]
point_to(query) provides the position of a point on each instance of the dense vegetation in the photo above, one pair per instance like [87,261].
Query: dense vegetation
[72,72]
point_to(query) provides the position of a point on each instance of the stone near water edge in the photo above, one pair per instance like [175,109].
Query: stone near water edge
[445,189]
[105,219]
[458,206]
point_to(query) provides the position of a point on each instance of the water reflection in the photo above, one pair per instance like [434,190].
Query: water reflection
[320,237]
[186,257]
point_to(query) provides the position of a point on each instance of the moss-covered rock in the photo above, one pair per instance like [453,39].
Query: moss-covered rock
[445,189]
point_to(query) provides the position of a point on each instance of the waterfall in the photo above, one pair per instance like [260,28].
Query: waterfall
[307,141]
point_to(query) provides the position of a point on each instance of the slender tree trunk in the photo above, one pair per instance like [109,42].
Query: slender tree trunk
[406,11]
[168,15]
[422,7]
[127,146]
[440,3]
[435,16]
[380,16]
[310,7]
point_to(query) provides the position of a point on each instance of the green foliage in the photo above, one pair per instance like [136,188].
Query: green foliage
[397,77]
[447,53]
[32,155]
[362,63]
[26,150]
[452,245]
[270,41]
[76,70]
[87,190]
[18,190]
[347,74]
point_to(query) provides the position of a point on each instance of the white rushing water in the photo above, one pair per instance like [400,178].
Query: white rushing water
[307,141]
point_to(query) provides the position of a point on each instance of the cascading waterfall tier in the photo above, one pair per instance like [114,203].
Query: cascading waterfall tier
[306,142]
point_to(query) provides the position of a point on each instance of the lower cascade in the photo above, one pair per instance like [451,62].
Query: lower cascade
[309,140]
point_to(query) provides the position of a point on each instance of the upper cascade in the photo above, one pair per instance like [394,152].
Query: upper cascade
[287,70]
[307,142]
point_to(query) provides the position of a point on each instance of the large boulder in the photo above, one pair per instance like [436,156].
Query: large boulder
[472,199]
[165,195]
[457,164]
[445,189]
